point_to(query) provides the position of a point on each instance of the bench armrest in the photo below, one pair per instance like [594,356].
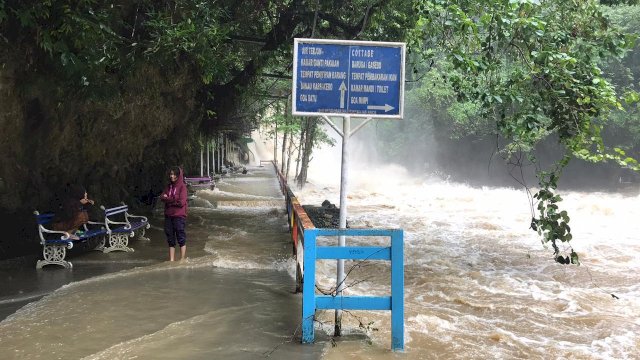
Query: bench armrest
[65,235]
[109,221]
[144,218]
[93,223]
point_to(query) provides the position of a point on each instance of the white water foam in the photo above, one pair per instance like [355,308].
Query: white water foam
[469,253]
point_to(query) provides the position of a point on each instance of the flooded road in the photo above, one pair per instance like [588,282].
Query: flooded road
[233,297]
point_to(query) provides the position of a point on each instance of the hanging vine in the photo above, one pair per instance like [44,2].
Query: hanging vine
[552,224]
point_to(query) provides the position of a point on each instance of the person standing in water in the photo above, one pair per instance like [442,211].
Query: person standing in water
[174,197]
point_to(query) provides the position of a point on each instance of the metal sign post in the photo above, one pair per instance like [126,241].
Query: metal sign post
[344,176]
[347,79]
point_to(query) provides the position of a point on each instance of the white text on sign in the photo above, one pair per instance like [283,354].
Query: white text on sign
[316,86]
[362,53]
[359,64]
[320,62]
[380,89]
[373,76]
[360,100]
[308,98]
[318,74]
[310,50]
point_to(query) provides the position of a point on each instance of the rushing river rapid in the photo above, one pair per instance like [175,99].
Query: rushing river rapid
[478,282]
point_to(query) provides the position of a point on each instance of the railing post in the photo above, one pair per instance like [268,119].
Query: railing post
[308,285]
[299,244]
[397,290]
[294,232]
[304,243]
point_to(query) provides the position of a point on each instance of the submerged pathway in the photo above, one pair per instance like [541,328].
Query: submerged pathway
[233,297]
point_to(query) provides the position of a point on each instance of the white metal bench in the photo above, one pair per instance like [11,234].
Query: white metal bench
[120,226]
[56,243]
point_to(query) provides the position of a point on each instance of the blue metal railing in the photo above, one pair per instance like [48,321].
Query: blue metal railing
[395,302]
[304,235]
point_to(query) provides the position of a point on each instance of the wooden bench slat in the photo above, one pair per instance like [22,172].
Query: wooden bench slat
[59,241]
[43,219]
[119,207]
[116,210]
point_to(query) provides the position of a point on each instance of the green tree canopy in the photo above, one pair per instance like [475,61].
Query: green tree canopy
[534,69]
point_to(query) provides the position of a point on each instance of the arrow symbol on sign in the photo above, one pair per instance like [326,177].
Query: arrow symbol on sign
[385,107]
[342,89]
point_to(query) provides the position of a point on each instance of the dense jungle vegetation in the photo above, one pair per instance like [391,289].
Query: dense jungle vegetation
[109,93]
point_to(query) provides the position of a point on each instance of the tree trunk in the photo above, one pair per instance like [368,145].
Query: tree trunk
[289,154]
[308,147]
[275,144]
[300,147]
[284,143]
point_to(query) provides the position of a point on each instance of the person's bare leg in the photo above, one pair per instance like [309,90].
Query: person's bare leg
[172,253]
[183,252]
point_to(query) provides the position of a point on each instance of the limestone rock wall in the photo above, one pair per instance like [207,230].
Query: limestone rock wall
[117,144]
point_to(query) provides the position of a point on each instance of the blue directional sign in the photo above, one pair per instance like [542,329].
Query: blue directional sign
[358,78]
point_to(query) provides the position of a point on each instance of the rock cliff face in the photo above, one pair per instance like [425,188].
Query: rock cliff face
[108,94]
[117,142]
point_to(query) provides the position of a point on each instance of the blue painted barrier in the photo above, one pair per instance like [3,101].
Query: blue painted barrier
[304,234]
[395,253]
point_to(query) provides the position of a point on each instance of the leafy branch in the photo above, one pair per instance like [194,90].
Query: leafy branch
[552,223]
[533,68]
